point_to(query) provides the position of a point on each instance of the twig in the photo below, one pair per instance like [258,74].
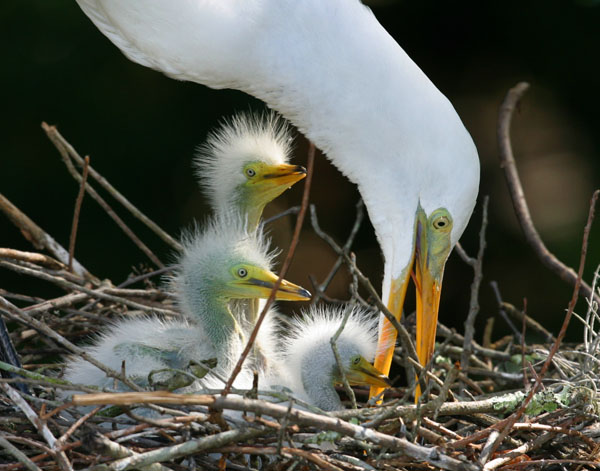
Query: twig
[18,454]
[104,446]
[477,265]
[321,288]
[76,212]
[32,257]
[507,162]
[99,293]
[338,359]
[189,447]
[312,456]
[287,212]
[283,271]
[60,142]
[107,208]
[41,426]
[502,312]
[40,239]
[563,330]
[511,455]
[530,322]
[432,456]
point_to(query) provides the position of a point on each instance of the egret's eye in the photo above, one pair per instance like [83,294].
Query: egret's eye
[250,172]
[242,272]
[441,223]
[356,360]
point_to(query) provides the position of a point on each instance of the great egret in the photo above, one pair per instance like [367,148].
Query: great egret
[333,71]
[221,262]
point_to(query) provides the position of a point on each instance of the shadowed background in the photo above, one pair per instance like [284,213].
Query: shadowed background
[141,128]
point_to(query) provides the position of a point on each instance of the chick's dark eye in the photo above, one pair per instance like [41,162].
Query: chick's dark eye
[250,172]
[356,360]
[242,272]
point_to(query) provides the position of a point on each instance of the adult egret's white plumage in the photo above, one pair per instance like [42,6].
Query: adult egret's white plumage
[308,363]
[223,261]
[334,72]
[243,165]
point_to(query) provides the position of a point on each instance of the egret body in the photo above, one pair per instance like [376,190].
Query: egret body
[333,71]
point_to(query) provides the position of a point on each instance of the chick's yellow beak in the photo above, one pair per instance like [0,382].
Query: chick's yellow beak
[263,281]
[366,374]
[275,179]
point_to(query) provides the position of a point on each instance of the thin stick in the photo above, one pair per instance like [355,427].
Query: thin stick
[18,454]
[338,359]
[320,289]
[507,162]
[99,293]
[64,154]
[32,257]
[59,141]
[41,426]
[41,239]
[283,271]
[477,265]
[76,212]
[530,322]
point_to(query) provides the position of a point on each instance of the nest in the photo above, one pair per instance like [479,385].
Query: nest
[500,405]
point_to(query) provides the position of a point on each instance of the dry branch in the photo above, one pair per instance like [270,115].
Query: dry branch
[507,162]
[39,238]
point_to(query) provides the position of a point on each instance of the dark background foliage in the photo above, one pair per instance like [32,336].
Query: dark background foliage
[140,129]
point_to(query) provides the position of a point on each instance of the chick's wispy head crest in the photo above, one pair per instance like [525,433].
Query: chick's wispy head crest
[240,140]
[211,252]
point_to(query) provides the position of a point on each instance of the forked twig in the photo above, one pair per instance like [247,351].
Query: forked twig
[65,156]
[60,142]
[507,162]
[283,271]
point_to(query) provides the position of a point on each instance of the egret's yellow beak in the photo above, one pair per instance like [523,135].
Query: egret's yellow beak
[431,249]
[362,373]
[261,282]
[275,179]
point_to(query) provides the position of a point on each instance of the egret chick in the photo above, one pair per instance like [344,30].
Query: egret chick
[221,262]
[243,165]
[309,363]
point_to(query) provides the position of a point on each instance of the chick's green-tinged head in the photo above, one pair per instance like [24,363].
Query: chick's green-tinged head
[226,261]
[243,164]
